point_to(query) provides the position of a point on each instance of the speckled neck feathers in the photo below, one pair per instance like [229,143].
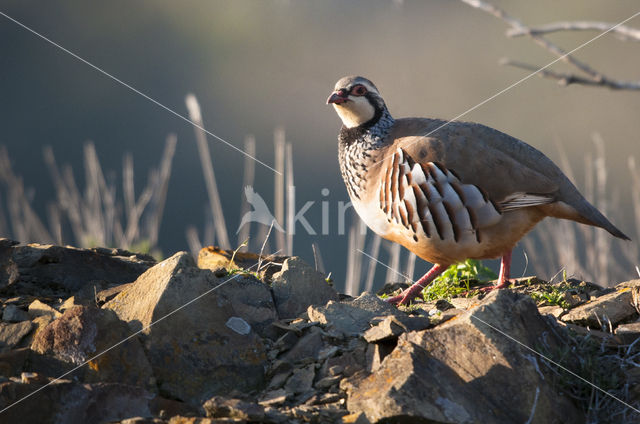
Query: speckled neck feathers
[356,146]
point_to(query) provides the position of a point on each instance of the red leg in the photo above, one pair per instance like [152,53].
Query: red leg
[503,279]
[410,293]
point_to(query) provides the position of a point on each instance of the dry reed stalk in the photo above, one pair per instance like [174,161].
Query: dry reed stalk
[207,168]
[411,266]
[193,241]
[317,257]
[248,179]
[24,220]
[291,198]
[279,144]
[394,262]
[357,236]
[374,251]
[160,187]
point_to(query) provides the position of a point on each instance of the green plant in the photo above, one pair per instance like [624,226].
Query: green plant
[458,279]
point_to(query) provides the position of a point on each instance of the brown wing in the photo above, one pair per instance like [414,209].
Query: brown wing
[430,200]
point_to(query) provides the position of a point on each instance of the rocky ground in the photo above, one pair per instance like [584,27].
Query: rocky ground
[108,336]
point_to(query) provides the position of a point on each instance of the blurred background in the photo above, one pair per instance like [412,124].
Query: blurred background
[257,66]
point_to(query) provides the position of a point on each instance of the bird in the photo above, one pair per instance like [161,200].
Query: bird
[447,190]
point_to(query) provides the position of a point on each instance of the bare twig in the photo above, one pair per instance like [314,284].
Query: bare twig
[622,32]
[593,77]
[568,79]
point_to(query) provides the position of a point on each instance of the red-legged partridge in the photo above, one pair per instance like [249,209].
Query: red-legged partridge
[447,192]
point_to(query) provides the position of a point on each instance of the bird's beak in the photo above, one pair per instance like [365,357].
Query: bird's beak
[337,98]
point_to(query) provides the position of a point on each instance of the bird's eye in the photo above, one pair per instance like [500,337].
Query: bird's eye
[359,90]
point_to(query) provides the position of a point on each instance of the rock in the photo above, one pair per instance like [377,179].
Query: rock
[194,355]
[275,397]
[493,364]
[221,407]
[389,328]
[215,259]
[301,380]
[297,286]
[103,296]
[628,333]
[353,317]
[12,334]
[65,401]
[307,347]
[37,309]
[605,310]
[47,270]
[553,310]
[412,386]
[83,332]
[12,313]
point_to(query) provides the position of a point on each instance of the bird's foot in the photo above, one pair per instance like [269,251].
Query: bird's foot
[406,296]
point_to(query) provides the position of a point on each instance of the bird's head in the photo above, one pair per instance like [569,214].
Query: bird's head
[357,101]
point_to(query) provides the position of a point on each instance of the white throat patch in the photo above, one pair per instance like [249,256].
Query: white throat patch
[355,112]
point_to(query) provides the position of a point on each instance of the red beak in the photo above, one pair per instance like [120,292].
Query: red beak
[337,98]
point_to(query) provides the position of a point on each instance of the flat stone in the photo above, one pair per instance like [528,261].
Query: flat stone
[553,310]
[12,313]
[628,332]
[608,309]
[274,397]
[297,286]
[12,334]
[37,308]
[217,259]
[389,328]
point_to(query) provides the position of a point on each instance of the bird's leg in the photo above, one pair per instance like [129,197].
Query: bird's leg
[503,278]
[410,293]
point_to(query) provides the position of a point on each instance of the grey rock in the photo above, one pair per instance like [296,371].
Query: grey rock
[353,317]
[49,270]
[83,332]
[274,397]
[389,328]
[479,347]
[65,401]
[628,333]
[222,407]
[307,347]
[12,334]
[301,380]
[297,286]
[12,313]
[194,355]
[412,385]
[609,308]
